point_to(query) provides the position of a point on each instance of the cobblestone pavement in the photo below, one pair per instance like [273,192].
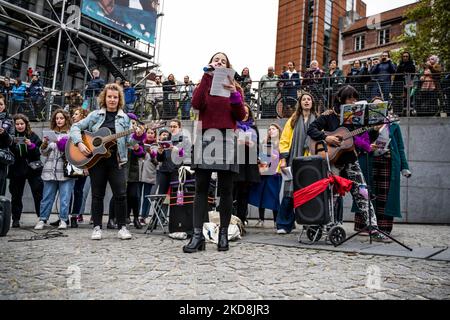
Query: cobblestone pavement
[154,267]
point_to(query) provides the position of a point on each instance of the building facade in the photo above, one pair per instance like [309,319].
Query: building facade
[310,30]
[85,44]
[369,37]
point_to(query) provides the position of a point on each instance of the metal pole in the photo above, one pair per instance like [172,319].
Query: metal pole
[58,47]
[31,45]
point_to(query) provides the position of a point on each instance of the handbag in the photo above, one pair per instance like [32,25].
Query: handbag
[70,171]
[6,157]
[36,165]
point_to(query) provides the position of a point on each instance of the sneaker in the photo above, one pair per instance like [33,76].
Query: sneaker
[15,224]
[40,225]
[364,233]
[379,237]
[97,233]
[281,231]
[124,234]
[259,224]
[142,221]
[80,218]
[62,225]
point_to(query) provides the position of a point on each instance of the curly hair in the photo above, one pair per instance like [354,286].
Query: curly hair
[66,115]
[112,87]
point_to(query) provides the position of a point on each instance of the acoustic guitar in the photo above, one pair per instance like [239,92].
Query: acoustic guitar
[334,152]
[99,143]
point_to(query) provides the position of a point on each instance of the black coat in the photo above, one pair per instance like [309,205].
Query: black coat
[8,125]
[249,172]
[20,166]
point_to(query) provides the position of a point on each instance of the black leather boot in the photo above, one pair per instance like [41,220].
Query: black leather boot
[197,242]
[222,244]
[73,222]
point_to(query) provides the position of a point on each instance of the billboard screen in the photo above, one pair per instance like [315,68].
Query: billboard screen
[136,18]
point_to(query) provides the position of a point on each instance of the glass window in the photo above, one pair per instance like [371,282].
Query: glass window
[349,6]
[328,11]
[359,43]
[383,36]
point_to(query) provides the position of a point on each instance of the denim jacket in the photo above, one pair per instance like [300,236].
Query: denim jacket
[94,121]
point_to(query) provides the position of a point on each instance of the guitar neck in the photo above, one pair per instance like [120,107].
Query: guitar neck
[119,135]
[356,132]
[116,136]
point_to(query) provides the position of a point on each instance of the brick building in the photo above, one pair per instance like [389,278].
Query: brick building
[369,37]
[309,30]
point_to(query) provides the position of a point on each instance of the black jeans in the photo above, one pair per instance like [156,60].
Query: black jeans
[3,174]
[225,192]
[16,187]
[77,198]
[134,190]
[107,170]
[241,193]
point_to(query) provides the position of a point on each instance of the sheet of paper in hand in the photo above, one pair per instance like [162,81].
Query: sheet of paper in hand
[219,79]
[51,135]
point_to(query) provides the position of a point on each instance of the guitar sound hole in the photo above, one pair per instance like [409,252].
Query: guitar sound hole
[97,142]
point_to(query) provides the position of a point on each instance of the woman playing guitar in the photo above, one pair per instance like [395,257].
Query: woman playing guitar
[111,169]
[347,165]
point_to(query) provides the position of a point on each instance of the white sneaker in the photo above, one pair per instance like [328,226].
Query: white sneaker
[281,231]
[97,233]
[62,225]
[124,234]
[259,224]
[40,225]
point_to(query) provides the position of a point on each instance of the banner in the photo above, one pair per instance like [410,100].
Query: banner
[136,18]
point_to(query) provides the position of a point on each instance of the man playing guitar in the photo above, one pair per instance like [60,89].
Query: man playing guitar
[347,165]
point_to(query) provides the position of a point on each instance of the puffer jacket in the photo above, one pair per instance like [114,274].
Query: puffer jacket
[54,159]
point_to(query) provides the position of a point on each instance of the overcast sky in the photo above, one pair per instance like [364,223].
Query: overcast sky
[193,30]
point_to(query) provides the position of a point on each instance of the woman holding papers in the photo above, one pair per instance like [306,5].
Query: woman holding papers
[387,160]
[293,144]
[52,148]
[27,166]
[214,148]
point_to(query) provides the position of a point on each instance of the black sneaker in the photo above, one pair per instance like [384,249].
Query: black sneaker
[15,224]
[55,224]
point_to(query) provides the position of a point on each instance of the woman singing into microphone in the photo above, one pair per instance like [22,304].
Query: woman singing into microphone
[220,113]
[112,169]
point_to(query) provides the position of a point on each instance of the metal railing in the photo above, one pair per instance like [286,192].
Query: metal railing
[408,94]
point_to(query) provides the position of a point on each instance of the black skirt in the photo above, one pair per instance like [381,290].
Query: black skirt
[215,150]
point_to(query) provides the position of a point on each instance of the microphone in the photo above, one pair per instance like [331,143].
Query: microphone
[208,69]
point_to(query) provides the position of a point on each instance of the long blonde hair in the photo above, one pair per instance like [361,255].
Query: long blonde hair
[113,87]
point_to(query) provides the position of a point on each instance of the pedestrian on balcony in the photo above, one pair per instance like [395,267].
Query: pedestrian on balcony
[358,78]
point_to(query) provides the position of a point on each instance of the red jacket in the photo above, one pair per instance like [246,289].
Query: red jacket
[217,112]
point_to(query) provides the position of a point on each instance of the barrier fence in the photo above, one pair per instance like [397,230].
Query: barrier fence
[408,94]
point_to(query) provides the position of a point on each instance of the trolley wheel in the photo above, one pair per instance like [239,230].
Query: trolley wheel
[336,235]
[314,233]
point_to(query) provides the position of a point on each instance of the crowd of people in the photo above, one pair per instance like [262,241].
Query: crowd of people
[169,98]
[146,161]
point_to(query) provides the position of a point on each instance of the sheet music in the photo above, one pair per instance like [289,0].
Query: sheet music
[219,79]
[51,135]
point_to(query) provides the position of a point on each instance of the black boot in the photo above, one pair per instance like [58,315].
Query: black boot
[55,224]
[222,244]
[73,222]
[137,223]
[197,242]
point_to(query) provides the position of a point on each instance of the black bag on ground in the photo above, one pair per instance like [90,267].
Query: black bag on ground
[182,207]
[5,215]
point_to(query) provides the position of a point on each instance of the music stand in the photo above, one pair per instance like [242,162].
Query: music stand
[367,121]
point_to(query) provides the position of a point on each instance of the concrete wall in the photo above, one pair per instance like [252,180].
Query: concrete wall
[425,197]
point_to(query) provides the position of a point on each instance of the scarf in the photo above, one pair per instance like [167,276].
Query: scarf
[21,147]
[245,125]
[300,144]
